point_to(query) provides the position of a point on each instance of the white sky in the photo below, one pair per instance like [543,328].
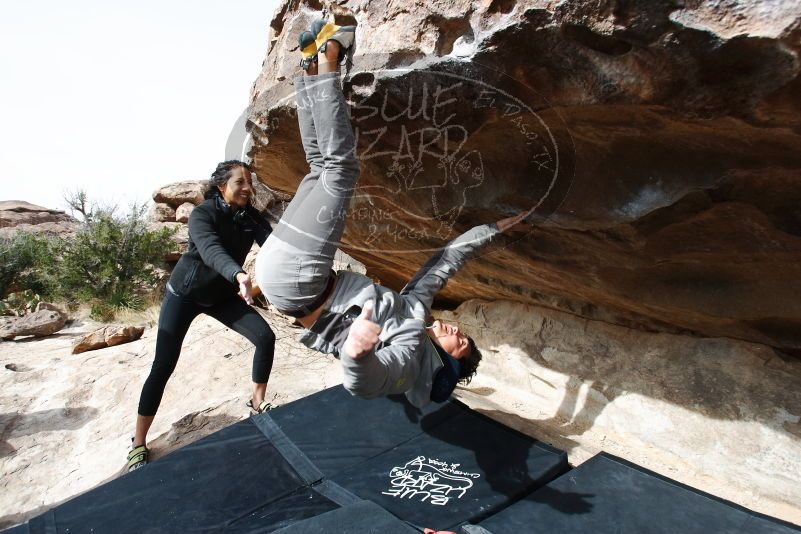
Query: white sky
[120,98]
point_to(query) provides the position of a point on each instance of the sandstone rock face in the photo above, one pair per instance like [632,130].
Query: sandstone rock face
[660,142]
[108,336]
[183,211]
[717,414]
[42,322]
[17,215]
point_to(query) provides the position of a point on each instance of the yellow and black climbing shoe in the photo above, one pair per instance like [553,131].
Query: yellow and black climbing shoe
[308,48]
[325,31]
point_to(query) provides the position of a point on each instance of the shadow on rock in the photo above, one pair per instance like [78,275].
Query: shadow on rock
[14,425]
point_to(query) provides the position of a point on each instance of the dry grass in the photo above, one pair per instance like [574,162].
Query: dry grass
[148,316]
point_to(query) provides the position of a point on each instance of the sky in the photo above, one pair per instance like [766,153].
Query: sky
[120,98]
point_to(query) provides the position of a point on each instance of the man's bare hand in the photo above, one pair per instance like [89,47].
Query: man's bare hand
[363,334]
[515,222]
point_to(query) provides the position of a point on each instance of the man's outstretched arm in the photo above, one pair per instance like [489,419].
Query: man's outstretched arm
[433,276]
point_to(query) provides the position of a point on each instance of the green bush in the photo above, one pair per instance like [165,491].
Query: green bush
[111,263]
[20,303]
[27,263]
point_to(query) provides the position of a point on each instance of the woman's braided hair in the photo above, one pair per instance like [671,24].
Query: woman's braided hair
[221,175]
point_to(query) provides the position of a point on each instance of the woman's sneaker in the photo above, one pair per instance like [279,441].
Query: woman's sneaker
[308,47]
[324,31]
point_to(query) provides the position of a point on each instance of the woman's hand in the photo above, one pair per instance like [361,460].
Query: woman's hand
[515,222]
[363,334]
[245,289]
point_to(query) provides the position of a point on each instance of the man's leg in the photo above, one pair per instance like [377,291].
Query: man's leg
[321,222]
[294,267]
[308,137]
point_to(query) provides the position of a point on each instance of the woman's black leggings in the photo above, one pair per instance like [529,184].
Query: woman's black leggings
[177,313]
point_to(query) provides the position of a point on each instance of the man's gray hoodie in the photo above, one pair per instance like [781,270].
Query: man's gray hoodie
[405,360]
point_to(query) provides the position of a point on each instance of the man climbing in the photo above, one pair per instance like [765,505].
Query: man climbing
[383,339]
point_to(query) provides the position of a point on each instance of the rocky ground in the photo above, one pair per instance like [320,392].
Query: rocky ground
[66,420]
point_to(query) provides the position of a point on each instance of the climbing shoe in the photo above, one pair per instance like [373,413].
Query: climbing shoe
[263,407]
[308,49]
[137,458]
[324,31]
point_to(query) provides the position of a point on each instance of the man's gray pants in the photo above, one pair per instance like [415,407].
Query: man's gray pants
[295,262]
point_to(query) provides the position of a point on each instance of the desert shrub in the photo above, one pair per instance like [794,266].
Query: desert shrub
[19,303]
[27,264]
[112,261]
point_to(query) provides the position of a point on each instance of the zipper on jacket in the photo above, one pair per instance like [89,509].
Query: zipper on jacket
[190,278]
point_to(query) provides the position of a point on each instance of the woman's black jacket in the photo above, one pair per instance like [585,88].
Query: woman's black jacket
[220,238]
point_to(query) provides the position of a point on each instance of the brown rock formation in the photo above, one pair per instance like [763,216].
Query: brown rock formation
[161,212]
[18,215]
[177,193]
[42,322]
[108,336]
[183,211]
[661,141]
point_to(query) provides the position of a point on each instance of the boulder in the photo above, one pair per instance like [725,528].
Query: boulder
[161,212]
[714,413]
[42,322]
[49,306]
[108,336]
[659,143]
[18,216]
[177,193]
[183,211]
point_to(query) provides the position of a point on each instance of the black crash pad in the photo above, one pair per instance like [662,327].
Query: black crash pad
[204,486]
[437,467]
[608,495]
[364,517]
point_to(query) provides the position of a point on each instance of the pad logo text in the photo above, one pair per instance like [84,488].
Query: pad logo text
[429,480]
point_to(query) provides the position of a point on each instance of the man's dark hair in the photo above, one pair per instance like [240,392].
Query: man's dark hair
[469,364]
[221,175]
